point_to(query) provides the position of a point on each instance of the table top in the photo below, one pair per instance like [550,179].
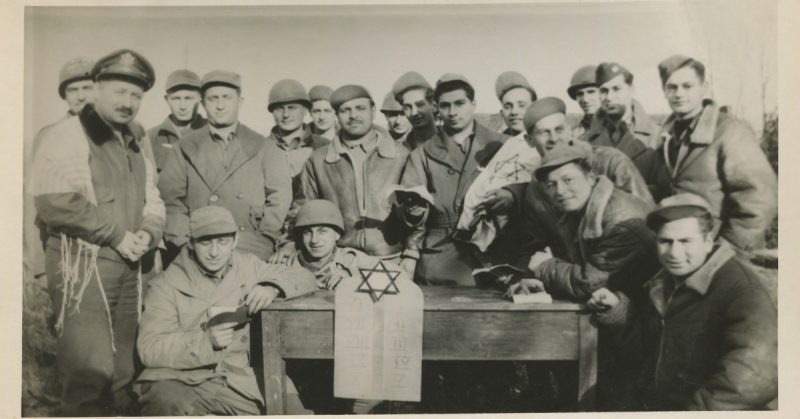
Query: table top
[437,298]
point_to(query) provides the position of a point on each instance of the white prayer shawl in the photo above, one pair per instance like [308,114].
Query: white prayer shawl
[513,163]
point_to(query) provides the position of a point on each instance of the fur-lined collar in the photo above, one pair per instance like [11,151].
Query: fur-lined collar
[592,223]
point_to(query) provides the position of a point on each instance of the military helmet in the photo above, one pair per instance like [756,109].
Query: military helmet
[319,212]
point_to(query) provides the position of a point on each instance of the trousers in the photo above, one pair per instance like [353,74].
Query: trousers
[95,349]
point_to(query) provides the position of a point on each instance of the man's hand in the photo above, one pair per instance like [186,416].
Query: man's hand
[221,335]
[409,265]
[130,247]
[260,297]
[539,257]
[603,300]
[498,202]
[526,286]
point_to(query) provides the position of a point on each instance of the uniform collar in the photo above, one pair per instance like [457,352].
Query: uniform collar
[386,147]
[100,131]
[704,129]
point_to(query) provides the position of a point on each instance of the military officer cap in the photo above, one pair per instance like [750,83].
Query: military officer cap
[607,71]
[449,78]
[73,70]
[319,212]
[287,91]
[671,65]
[347,93]
[583,77]
[559,156]
[126,64]
[185,79]
[682,205]
[320,92]
[391,105]
[221,77]
[409,80]
[541,108]
[511,80]
[212,220]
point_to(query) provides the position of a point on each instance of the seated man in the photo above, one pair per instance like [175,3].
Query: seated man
[317,227]
[707,327]
[192,365]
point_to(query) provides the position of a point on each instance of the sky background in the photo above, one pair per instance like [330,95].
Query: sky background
[374,45]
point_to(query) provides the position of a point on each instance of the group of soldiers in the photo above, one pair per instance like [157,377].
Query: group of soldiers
[147,234]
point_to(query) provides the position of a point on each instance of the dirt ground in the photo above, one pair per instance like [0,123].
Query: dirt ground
[40,383]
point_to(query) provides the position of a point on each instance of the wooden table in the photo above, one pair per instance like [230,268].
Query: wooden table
[459,324]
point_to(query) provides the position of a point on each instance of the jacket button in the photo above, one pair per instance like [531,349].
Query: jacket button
[213,198]
[240,196]
[244,338]
[241,228]
[451,171]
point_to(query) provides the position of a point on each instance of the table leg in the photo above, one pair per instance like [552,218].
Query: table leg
[587,362]
[274,366]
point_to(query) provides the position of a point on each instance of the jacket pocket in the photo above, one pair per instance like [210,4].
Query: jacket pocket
[256,215]
[105,200]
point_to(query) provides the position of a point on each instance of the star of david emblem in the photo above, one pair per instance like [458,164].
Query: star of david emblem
[516,168]
[378,281]
[127,59]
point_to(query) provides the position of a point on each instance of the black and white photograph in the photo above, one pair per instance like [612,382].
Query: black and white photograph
[396,208]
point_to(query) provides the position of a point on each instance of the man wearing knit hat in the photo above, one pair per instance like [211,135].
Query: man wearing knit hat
[323,118]
[446,165]
[183,99]
[583,89]
[515,94]
[194,337]
[289,104]
[229,165]
[607,244]
[715,155]
[622,122]
[94,189]
[396,120]
[415,95]
[355,171]
[704,325]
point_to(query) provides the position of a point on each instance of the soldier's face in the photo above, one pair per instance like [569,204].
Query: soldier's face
[289,116]
[355,116]
[417,108]
[397,122]
[515,102]
[616,96]
[589,99]
[183,104]
[78,94]
[214,252]
[222,105]
[683,246]
[118,100]
[549,132]
[456,110]
[323,115]
[569,187]
[319,241]
[684,91]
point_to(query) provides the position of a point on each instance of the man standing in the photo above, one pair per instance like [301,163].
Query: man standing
[622,122]
[415,95]
[355,172]
[714,155]
[94,188]
[396,121]
[183,99]
[446,165]
[324,122]
[706,326]
[515,95]
[229,165]
[583,89]
[195,365]
[76,88]
[289,105]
